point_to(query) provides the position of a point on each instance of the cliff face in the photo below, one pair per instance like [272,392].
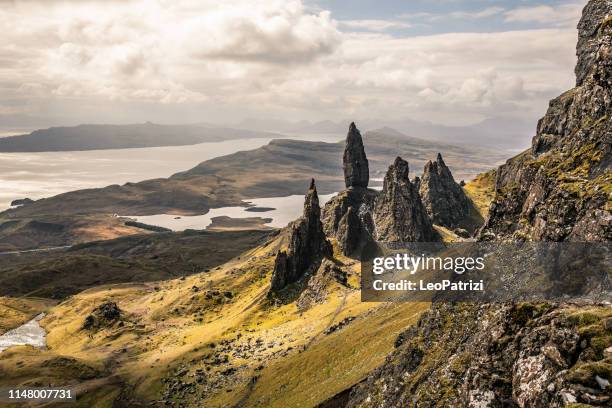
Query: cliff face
[468,355]
[307,245]
[444,199]
[560,189]
[399,214]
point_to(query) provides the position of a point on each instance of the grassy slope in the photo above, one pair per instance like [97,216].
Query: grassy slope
[281,355]
[135,258]
[481,191]
[17,311]
[168,329]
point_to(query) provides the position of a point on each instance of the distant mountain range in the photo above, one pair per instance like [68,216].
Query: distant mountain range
[99,137]
[498,132]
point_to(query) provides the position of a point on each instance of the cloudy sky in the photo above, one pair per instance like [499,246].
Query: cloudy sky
[184,61]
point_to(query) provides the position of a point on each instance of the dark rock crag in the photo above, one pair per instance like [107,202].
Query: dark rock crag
[469,355]
[307,245]
[354,160]
[444,199]
[104,315]
[349,231]
[352,228]
[399,214]
[559,189]
[360,215]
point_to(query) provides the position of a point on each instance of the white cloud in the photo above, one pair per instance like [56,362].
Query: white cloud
[192,60]
[148,49]
[560,15]
[375,25]
[484,13]
[471,73]
[471,15]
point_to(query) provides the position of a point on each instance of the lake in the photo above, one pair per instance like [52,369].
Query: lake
[286,209]
[28,334]
[39,175]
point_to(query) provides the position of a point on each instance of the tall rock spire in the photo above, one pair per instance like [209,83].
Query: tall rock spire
[354,161]
[399,214]
[348,216]
[444,199]
[307,245]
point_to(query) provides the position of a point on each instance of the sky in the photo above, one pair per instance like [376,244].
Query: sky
[451,62]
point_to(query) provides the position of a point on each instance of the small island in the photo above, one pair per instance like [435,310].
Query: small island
[260,209]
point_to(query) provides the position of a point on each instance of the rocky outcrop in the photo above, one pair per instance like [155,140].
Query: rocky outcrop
[559,189]
[349,231]
[307,245]
[467,355]
[592,57]
[352,228]
[20,202]
[444,199]
[399,214]
[359,215]
[354,160]
[104,315]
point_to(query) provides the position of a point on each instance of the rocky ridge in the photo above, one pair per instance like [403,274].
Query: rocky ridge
[526,354]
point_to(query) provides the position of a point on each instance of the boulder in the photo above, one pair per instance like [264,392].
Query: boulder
[20,202]
[104,315]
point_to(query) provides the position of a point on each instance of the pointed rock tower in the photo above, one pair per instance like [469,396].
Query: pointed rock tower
[348,216]
[399,214]
[444,199]
[307,245]
[354,161]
